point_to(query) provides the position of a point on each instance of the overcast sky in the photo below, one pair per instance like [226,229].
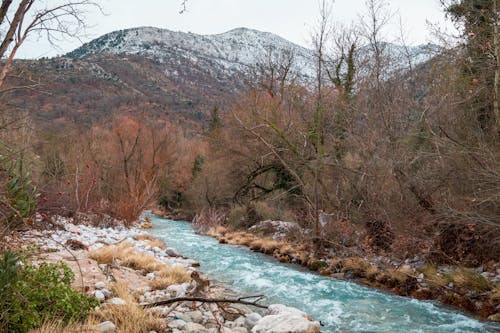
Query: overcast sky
[291,19]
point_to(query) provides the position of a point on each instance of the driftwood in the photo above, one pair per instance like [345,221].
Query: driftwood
[240,300]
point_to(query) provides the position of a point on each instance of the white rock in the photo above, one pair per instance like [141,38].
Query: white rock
[106,292]
[99,295]
[277,309]
[106,327]
[239,329]
[196,316]
[177,323]
[178,290]
[252,319]
[150,276]
[286,323]
[239,322]
[117,301]
[195,328]
[100,285]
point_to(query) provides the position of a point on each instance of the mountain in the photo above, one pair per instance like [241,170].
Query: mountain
[223,55]
[162,73]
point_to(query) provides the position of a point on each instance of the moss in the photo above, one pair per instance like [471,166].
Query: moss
[316,265]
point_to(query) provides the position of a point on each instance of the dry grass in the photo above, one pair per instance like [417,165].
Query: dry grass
[432,276]
[372,271]
[130,317]
[156,243]
[355,264]
[143,237]
[168,276]
[108,254]
[470,280]
[128,257]
[239,238]
[90,325]
[266,245]
[495,294]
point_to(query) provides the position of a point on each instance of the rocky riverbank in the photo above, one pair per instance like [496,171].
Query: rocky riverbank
[126,269]
[476,290]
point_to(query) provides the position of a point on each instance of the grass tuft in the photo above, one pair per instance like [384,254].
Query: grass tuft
[169,275]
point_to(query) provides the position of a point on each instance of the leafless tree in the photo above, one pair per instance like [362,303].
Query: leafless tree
[20,19]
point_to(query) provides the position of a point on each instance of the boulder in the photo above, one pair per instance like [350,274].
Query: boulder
[285,319]
[252,319]
[286,323]
[106,327]
[239,329]
[195,316]
[99,295]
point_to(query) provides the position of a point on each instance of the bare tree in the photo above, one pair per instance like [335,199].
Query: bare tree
[18,20]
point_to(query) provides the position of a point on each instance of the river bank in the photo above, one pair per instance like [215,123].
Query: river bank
[476,291]
[127,268]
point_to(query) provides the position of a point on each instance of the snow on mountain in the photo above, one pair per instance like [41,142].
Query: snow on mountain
[234,51]
[227,55]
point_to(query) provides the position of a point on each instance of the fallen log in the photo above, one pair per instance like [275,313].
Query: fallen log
[241,300]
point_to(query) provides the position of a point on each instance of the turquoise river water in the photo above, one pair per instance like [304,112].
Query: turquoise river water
[341,306]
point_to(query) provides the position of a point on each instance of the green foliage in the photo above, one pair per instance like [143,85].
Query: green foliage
[215,120]
[477,20]
[198,165]
[316,265]
[30,295]
[19,197]
[343,72]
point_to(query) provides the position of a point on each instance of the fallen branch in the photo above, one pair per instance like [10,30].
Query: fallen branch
[241,300]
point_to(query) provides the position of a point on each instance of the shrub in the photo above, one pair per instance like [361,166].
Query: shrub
[30,295]
[19,199]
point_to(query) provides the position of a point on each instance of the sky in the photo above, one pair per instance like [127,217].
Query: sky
[291,19]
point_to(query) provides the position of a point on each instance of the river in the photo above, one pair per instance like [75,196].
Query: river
[341,306]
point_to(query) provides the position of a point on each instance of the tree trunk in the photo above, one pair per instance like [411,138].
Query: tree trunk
[496,107]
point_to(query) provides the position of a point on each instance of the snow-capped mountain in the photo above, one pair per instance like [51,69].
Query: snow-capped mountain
[234,52]
[224,56]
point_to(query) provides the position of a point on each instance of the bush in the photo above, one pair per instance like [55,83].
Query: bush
[31,295]
[19,199]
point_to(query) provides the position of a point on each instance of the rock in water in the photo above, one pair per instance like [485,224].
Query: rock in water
[172,252]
